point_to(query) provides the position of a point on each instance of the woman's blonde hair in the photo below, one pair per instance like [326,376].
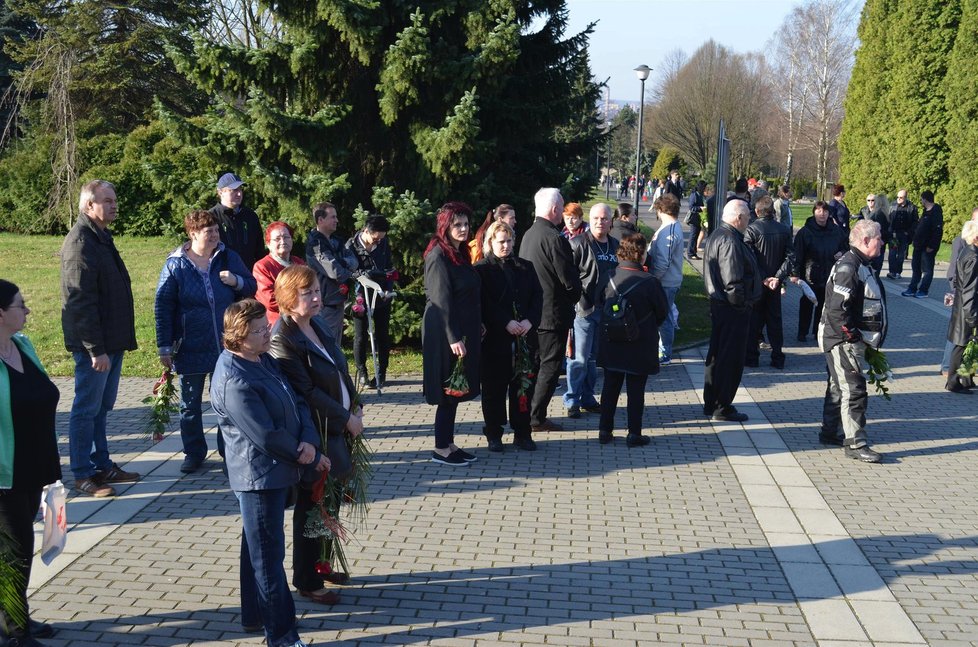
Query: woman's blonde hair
[289,283]
[969,233]
[494,228]
[237,319]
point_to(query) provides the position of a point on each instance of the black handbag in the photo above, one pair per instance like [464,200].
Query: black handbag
[340,461]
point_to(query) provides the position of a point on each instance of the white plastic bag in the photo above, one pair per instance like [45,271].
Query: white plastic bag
[53,507]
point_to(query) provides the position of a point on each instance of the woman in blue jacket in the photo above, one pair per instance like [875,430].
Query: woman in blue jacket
[200,279]
[270,440]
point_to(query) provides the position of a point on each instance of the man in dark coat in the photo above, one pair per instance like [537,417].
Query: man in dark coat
[926,242]
[771,243]
[334,265]
[372,251]
[674,185]
[733,284]
[98,321]
[818,245]
[854,318]
[872,211]
[902,223]
[553,261]
[240,228]
[964,315]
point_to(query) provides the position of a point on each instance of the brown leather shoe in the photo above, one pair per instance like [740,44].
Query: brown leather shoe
[547,425]
[93,488]
[116,474]
[322,596]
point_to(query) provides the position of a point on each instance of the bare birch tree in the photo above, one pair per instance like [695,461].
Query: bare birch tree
[241,22]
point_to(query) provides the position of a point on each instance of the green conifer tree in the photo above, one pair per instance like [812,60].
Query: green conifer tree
[961,94]
[865,142]
[924,32]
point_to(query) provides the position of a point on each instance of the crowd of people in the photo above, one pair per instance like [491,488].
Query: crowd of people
[504,317]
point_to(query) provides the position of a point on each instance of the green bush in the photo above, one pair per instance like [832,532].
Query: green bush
[25,176]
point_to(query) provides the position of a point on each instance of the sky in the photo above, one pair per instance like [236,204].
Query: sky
[630,33]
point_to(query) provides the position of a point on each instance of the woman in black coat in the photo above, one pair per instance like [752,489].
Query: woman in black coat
[451,327]
[511,308]
[964,315]
[316,369]
[631,363]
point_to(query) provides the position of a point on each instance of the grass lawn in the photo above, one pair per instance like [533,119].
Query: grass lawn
[32,262]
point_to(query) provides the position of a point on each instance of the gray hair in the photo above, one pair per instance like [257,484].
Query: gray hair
[88,193]
[864,229]
[735,210]
[601,206]
[970,232]
[545,200]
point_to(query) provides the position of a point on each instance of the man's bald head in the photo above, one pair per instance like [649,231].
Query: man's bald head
[736,213]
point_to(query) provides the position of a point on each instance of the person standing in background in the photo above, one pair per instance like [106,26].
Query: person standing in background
[926,242]
[333,263]
[240,229]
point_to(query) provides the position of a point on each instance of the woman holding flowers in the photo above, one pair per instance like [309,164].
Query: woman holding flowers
[964,315]
[199,280]
[316,369]
[271,443]
[451,328]
[511,310]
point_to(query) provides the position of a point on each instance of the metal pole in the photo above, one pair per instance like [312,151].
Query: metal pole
[607,132]
[638,147]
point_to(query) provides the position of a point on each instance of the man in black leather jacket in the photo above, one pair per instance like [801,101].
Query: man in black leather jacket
[854,318]
[771,243]
[733,284]
[818,245]
[902,223]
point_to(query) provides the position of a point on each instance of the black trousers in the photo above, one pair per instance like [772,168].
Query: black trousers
[954,381]
[18,509]
[807,323]
[635,394]
[495,395]
[898,251]
[551,350]
[845,395]
[445,423]
[725,358]
[922,267]
[766,313]
[361,340]
[305,551]
[694,234]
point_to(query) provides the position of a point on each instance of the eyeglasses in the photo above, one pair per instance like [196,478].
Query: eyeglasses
[871,201]
[261,331]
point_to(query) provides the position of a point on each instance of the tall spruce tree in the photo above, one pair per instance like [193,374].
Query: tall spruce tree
[918,114]
[961,94]
[463,99]
[866,144]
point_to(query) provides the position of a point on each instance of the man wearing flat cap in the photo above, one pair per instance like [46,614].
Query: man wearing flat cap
[240,228]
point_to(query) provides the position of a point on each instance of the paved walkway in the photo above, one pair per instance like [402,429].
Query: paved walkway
[715,534]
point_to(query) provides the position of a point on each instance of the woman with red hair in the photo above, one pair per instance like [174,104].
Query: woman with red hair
[278,240]
[451,328]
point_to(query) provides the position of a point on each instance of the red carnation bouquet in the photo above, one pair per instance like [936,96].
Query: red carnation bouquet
[523,369]
[457,385]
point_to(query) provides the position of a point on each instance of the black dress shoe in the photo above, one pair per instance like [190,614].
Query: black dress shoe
[637,440]
[526,444]
[838,441]
[496,445]
[729,414]
[574,412]
[605,438]
[960,389]
[191,464]
[591,408]
[864,454]
[777,365]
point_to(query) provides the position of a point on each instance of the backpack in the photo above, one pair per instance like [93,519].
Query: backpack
[618,320]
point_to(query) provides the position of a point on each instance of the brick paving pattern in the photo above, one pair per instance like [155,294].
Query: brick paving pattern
[578,544]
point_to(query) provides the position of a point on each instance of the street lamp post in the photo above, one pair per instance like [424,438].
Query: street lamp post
[643,72]
[607,132]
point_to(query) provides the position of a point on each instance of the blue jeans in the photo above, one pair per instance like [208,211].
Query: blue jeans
[667,331]
[191,417]
[582,370]
[265,595]
[95,394]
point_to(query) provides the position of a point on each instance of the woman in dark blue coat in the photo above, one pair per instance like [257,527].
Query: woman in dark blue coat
[631,363]
[451,326]
[270,440]
[200,279]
